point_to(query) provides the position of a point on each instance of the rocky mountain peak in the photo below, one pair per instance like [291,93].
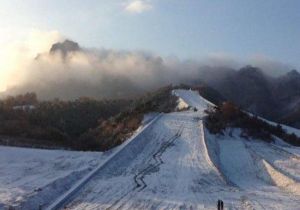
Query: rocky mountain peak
[65,47]
[293,73]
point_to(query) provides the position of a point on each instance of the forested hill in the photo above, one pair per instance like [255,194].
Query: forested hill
[54,123]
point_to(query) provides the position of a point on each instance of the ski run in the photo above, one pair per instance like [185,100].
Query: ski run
[172,162]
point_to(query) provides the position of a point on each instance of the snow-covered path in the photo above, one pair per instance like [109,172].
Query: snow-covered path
[170,170]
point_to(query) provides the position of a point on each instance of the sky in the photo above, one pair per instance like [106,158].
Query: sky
[187,29]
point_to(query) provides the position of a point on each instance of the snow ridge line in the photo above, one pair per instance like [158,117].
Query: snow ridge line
[207,156]
[279,149]
[278,177]
[275,168]
[202,139]
[71,192]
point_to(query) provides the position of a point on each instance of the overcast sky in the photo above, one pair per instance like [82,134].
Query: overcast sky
[187,29]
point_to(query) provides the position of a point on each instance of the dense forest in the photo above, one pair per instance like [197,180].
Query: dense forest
[53,123]
[82,124]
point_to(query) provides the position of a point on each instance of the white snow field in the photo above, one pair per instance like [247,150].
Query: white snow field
[175,163]
[32,177]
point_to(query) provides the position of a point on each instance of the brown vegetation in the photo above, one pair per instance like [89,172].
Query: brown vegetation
[117,129]
[83,124]
[53,122]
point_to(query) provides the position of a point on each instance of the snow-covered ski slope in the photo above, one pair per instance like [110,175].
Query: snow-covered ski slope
[175,163]
[167,168]
[193,99]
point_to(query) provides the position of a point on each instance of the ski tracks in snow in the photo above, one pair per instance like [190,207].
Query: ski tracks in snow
[152,167]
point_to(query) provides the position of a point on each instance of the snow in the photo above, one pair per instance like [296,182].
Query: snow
[279,157]
[65,197]
[172,163]
[281,180]
[182,105]
[167,167]
[242,171]
[293,150]
[25,174]
[193,99]
[260,171]
[287,128]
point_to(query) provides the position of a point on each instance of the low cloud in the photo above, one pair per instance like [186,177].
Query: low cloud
[269,65]
[138,6]
[99,74]
[221,59]
[102,73]
[17,56]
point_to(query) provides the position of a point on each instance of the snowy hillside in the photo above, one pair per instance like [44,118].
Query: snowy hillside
[31,177]
[175,163]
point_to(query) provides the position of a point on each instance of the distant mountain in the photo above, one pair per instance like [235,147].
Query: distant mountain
[287,88]
[274,98]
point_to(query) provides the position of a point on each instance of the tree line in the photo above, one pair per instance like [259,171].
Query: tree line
[57,121]
[82,124]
